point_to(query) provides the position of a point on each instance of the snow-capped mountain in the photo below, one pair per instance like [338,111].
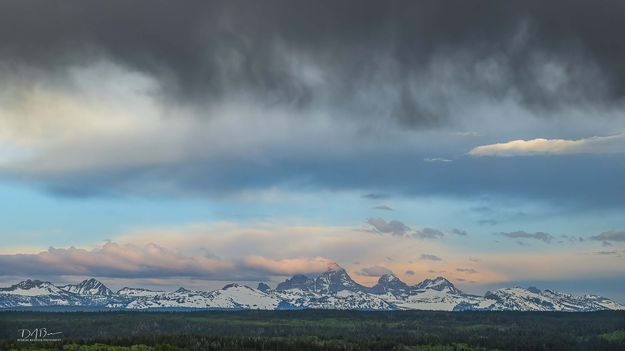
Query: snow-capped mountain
[533,299]
[438,284]
[390,284]
[231,296]
[88,287]
[332,289]
[36,293]
[335,279]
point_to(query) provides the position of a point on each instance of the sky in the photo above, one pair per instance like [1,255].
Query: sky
[151,144]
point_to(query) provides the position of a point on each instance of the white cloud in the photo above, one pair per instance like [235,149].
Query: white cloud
[592,145]
[437,159]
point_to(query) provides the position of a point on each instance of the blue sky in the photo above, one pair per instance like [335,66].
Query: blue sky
[223,148]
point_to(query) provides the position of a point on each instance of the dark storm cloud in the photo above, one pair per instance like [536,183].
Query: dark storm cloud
[206,48]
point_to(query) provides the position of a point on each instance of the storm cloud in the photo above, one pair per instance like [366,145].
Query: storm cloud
[207,45]
[317,95]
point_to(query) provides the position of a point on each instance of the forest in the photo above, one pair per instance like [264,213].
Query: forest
[314,330]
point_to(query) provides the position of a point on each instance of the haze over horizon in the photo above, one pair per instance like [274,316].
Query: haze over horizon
[157,145]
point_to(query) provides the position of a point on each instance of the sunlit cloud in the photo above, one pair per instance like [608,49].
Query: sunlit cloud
[591,145]
[151,261]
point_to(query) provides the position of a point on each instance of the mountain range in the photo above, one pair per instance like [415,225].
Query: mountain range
[332,289]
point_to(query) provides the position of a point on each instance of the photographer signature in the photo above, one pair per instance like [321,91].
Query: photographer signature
[38,334]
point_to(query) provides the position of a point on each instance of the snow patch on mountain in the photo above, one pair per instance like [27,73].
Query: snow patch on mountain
[332,289]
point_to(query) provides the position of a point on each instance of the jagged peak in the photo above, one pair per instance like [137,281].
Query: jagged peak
[334,267]
[28,284]
[388,277]
[182,290]
[90,282]
[263,287]
[298,281]
[439,283]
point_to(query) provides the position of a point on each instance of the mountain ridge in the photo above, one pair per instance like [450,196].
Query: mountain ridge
[332,289]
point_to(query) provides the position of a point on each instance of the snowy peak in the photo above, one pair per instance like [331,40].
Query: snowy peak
[32,288]
[28,284]
[533,299]
[387,278]
[389,283]
[332,289]
[89,287]
[336,279]
[439,284]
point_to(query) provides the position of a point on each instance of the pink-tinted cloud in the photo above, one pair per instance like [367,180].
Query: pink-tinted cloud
[151,261]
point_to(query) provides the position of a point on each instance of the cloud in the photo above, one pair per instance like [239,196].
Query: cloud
[88,110]
[437,159]
[606,253]
[393,227]
[382,207]
[610,236]
[466,270]
[409,272]
[546,237]
[459,232]
[429,257]
[591,145]
[150,261]
[374,271]
[428,233]
[376,196]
